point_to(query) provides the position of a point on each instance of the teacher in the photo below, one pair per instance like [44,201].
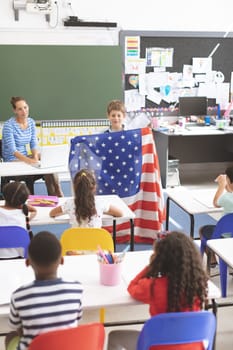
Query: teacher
[19,143]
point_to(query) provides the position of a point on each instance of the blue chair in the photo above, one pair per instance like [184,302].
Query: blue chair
[14,237]
[178,329]
[223,226]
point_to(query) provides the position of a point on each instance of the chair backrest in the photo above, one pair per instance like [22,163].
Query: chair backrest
[86,239]
[224,225]
[14,237]
[89,337]
[178,328]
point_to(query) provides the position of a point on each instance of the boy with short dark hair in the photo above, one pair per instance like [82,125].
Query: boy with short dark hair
[48,303]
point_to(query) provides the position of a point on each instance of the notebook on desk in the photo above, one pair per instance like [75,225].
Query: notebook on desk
[53,156]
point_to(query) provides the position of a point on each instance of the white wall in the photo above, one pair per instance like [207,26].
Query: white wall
[179,15]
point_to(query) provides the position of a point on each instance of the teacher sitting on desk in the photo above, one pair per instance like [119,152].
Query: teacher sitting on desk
[19,143]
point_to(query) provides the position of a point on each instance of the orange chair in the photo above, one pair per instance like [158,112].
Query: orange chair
[87,336]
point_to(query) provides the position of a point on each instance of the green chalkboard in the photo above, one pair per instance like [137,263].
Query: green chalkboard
[60,82]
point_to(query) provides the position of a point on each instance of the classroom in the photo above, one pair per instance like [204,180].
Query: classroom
[69,59]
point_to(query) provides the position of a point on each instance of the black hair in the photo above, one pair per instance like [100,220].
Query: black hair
[177,258]
[16,194]
[44,249]
[229,173]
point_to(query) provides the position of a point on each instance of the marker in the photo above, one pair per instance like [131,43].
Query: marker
[101,253]
[122,254]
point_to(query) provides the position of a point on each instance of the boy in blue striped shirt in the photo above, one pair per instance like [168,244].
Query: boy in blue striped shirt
[48,303]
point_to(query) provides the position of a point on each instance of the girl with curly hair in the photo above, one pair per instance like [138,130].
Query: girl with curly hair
[173,281]
[85,210]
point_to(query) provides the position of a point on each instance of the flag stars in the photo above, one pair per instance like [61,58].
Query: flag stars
[118,171]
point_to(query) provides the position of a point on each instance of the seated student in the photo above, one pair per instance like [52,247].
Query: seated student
[85,210]
[116,114]
[19,139]
[222,198]
[173,281]
[48,303]
[15,212]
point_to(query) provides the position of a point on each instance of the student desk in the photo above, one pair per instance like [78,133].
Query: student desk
[14,273]
[191,202]
[22,168]
[193,145]
[43,218]
[223,247]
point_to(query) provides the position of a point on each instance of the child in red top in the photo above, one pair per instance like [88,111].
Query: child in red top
[173,281]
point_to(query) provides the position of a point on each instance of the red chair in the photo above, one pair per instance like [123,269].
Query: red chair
[88,336]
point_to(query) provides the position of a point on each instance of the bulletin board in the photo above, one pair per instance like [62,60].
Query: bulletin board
[60,82]
[185,46]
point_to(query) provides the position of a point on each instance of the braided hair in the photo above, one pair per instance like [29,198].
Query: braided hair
[84,190]
[16,194]
[177,258]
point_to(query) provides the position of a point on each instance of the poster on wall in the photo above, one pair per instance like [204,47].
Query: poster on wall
[157,84]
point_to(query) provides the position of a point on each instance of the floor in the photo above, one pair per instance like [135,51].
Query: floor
[224,338]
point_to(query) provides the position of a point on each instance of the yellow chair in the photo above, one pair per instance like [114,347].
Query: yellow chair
[86,240]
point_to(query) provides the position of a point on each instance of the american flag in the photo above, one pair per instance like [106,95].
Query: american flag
[125,163]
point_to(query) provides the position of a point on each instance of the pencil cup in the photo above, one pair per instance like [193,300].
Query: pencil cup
[110,274]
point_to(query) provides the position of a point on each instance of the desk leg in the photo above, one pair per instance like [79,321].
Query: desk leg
[131,235]
[114,234]
[191,225]
[191,216]
[214,307]
[167,213]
